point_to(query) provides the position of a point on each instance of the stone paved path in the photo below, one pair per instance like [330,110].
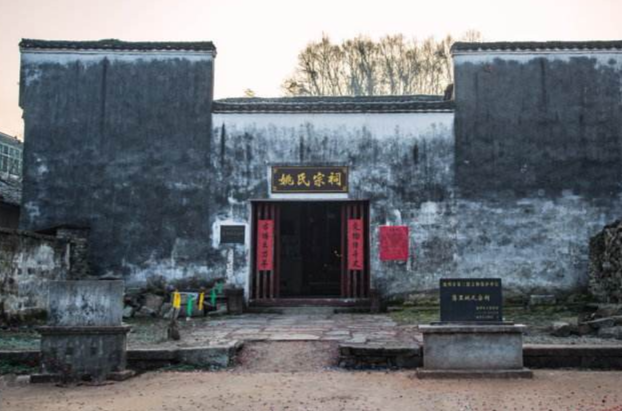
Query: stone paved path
[352,328]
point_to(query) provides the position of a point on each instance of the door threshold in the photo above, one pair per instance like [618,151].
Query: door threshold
[311,302]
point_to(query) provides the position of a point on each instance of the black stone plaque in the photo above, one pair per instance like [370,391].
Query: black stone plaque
[471,300]
[232,234]
[309,179]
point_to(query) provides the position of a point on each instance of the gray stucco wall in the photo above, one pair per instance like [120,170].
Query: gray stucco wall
[538,163]
[120,142]
[125,144]
[28,262]
[402,163]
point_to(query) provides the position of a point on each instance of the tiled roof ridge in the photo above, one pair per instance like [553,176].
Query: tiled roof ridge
[334,104]
[11,138]
[537,45]
[117,45]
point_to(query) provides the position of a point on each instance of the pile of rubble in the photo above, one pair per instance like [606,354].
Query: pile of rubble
[604,322]
[606,264]
[146,305]
[158,303]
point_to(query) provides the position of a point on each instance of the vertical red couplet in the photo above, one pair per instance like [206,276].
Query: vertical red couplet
[356,244]
[265,245]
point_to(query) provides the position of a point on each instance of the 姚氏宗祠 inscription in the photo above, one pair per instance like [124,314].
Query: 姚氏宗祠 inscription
[309,179]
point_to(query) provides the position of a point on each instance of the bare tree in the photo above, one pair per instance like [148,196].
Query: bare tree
[363,67]
[249,92]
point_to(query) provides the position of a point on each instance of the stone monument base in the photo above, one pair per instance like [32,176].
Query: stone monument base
[462,350]
[73,353]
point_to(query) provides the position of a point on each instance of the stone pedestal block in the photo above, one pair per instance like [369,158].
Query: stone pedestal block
[76,353]
[460,350]
[235,301]
[84,338]
[377,305]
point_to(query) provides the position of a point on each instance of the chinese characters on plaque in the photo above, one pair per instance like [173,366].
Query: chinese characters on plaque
[232,234]
[303,179]
[394,243]
[471,299]
[355,244]
[265,245]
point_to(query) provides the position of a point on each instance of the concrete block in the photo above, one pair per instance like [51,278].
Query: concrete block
[542,299]
[128,311]
[611,332]
[85,303]
[602,323]
[235,301]
[220,356]
[472,347]
[561,329]
[153,302]
[79,352]
[473,374]
[145,312]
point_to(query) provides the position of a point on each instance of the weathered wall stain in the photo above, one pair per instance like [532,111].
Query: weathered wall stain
[28,262]
[538,163]
[125,143]
[121,142]
[530,123]
[378,149]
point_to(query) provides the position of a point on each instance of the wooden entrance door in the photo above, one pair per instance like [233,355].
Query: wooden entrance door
[266,251]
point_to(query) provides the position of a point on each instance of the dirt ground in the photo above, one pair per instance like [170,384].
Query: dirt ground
[299,376]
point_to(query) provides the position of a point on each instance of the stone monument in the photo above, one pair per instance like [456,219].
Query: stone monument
[472,340]
[84,338]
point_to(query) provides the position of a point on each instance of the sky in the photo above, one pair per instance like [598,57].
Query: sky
[258,40]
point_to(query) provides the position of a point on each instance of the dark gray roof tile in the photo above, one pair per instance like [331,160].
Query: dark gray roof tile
[323,104]
[537,46]
[114,45]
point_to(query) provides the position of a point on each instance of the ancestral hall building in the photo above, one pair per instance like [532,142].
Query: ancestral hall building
[326,196]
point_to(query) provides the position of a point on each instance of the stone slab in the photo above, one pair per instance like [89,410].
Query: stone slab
[464,328]
[473,374]
[55,378]
[83,352]
[466,347]
[294,337]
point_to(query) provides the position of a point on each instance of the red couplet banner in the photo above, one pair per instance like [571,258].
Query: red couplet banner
[394,243]
[356,244]
[265,245]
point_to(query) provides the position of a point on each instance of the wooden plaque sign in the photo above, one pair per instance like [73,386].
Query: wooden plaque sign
[232,234]
[471,299]
[308,179]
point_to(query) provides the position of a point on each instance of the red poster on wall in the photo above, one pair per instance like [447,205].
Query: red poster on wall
[356,244]
[265,245]
[394,243]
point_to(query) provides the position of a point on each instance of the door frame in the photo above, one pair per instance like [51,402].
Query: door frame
[273,297]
